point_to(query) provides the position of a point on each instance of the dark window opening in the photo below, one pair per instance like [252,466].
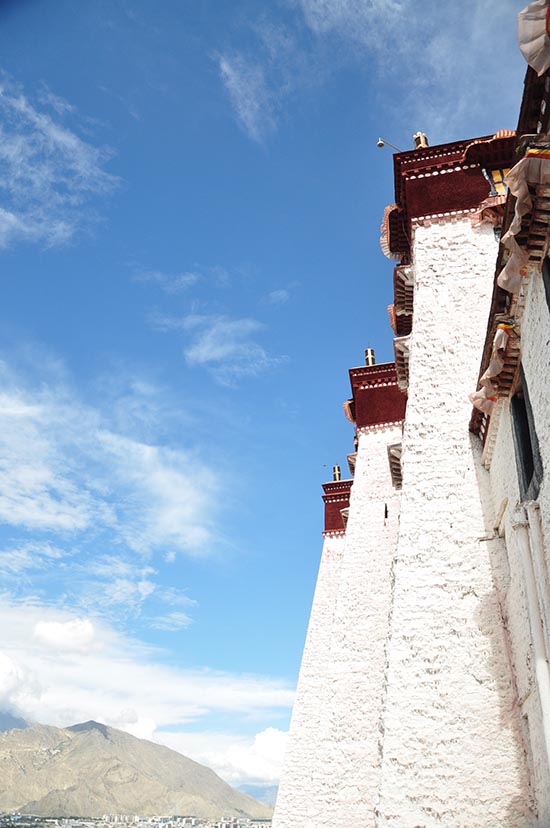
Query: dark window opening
[528,459]
[546,279]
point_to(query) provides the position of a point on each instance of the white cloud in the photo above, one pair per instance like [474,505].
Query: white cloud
[17,685]
[250,94]
[48,174]
[237,759]
[171,621]
[227,347]
[364,21]
[151,479]
[432,63]
[170,282]
[262,760]
[37,477]
[64,675]
[260,79]
[29,556]
[76,635]
[55,102]
[219,338]
[438,56]
[278,297]
[64,469]
[122,589]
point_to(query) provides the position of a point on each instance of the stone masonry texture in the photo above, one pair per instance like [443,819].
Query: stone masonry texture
[300,782]
[332,762]
[452,752]
[417,704]
[504,486]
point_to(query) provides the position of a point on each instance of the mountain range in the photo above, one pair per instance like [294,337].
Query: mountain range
[90,769]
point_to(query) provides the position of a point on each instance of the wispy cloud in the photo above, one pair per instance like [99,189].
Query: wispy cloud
[64,468]
[250,94]
[183,280]
[278,297]
[259,79]
[171,621]
[427,57]
[170,282]
[59,105]
[119,584]
[38,474]
[435,60]
[149,481]
[364,21]
[225,346]
[48,173]
[20,559]
[87,507]
[121,588]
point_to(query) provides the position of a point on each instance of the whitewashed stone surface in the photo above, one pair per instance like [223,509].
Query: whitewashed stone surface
[453,753]
[301,774]
[417,705]
[535,350]
[331,766]
[350,738]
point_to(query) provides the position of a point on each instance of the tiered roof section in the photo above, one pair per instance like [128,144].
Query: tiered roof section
[377,399]
[336,497]
[440,182]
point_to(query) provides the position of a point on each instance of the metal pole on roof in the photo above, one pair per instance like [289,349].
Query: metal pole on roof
[382,143]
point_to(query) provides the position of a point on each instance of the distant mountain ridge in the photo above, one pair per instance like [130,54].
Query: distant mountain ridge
[8,721]
[90,769]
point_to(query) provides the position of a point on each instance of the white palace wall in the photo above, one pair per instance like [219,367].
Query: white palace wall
[301,780]
[350,749]
[452,749]
[331,770]
[535,355]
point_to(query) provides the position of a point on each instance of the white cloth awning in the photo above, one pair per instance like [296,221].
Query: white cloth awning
[485,397]
[533,170]
[534,35]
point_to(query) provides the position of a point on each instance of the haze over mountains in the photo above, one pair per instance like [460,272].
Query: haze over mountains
[91,769]
[8,721]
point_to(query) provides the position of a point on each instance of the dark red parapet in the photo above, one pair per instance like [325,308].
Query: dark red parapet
[377,398]
[448,178]
[336,497]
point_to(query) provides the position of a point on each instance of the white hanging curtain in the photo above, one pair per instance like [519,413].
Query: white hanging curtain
[486,396]
[533,170]
[534,35]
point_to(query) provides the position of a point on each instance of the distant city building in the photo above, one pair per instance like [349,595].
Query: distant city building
[174,821]
[424,692]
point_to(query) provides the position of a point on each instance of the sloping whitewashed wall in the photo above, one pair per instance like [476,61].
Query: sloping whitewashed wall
[301,782]
[452,752]
[505,492]
[351,737]
[418,705]
[332,760]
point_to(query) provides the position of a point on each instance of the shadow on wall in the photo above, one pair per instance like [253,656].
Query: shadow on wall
[522,809]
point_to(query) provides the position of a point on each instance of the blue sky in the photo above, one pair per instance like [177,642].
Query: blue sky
[190,201]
